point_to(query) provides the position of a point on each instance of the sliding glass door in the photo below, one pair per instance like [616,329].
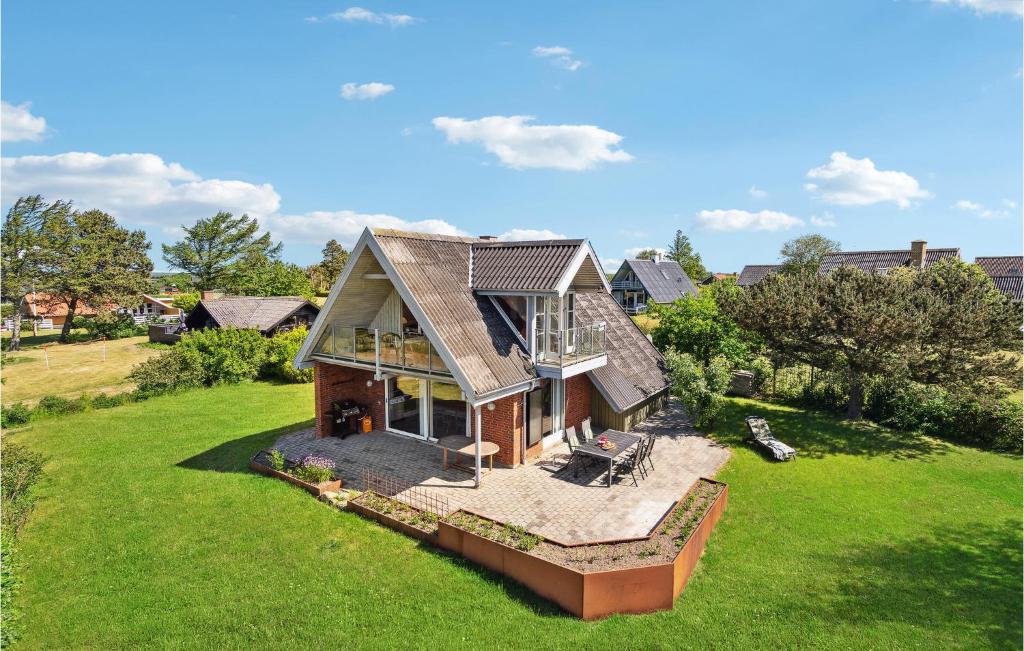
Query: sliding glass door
[425,408]
[405,404]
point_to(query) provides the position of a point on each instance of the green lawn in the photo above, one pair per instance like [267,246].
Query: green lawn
[152,532]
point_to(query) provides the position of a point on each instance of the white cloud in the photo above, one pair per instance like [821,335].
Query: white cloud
[827,220]
[1012,7]
[372,90]
[358,14]
[559,56]
[520,145]
[634,251]
[980,210]
[1010,203]
[17,123]
[346,225]
[847,181]
[137,188]
[517,234]
[757,192]
[611,264]
[743,220]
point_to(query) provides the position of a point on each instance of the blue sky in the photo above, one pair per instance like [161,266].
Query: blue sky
[743,124]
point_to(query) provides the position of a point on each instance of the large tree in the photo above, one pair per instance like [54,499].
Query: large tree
[803,254]
[93,261]
[944,325]
[647,254]
[697,326]
[213,245]
[681,250]
[256,274]
[323,274]
[22,255]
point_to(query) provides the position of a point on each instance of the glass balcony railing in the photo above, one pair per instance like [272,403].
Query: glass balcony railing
[382,349]
[564,347]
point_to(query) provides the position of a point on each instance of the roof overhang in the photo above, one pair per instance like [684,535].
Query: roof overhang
[586,251]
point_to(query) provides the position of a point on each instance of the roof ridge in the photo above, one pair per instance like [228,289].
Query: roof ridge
[497,244]
[417,235]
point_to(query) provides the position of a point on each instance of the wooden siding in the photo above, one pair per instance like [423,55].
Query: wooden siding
[361,298]
[389,318]
[605,416]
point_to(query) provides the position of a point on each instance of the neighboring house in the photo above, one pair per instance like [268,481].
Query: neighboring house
[152,307]
[639,281]
[508,342]
[918,255]
[1006,273]
[268,314]
[755,273]
[43,306]
[715,277]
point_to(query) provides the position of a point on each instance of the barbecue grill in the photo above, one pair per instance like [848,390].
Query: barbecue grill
[345,417]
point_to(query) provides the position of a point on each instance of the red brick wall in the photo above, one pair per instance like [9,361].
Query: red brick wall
[332,382]
[577,400]
[504,426]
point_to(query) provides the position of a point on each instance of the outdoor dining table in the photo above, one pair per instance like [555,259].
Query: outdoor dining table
[623,442]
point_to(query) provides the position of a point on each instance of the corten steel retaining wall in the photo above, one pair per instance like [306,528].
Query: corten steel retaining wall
[314,489]
[591,595]
[390,522]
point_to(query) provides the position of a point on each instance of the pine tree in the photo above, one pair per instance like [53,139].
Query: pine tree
[681,250]
[213,245]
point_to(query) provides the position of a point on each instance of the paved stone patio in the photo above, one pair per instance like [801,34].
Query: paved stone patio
[545,501]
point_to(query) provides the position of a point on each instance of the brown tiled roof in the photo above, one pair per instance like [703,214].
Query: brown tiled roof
[873,261]
[755,273]
[1012,286]
[253,312]
[664,280]
[1001,265]
[635,369]
[436,271]
[521,266]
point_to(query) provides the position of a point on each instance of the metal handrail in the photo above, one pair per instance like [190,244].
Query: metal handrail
[373,347]
[575,344]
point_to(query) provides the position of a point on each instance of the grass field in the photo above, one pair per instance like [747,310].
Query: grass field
[73,368]
[151,531]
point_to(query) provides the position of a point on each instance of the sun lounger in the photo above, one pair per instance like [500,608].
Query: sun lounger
[761,435]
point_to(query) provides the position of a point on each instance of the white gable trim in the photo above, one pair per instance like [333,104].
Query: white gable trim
[302,358]
[586,250]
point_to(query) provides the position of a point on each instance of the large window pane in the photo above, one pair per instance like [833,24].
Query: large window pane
[449,410]
[404,404]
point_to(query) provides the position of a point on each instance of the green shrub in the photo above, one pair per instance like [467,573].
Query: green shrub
[58,406]
[16,414]
[281,352]
[225,356]
[22,468]
[277,460]
[701,388]
[175,369]
[315,469]
[111,325]
[186,301]
[106,401]
[762,369]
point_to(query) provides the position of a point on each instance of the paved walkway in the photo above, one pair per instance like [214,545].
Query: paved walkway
[546,502]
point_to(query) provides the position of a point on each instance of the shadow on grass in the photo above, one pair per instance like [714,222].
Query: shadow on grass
[816,434]
[954,577]
[234,455]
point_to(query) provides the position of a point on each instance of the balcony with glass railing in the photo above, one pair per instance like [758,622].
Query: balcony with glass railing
[387,350]
[571,345]
[626,284]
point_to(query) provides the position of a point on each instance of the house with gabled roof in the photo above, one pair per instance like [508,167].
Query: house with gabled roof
[918,255]
[755,273]
[638,281]
[268,314]
[1006,273]
[506,342]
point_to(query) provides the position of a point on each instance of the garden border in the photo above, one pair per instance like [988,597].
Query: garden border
[388,521]
[315,489]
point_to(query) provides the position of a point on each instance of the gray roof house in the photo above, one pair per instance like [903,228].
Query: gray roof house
[755,273]
[638,281]
[268,314]
[461,338]
[918,255]
[1005,271]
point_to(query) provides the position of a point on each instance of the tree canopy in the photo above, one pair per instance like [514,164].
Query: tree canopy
[22,253]
[212,246]
[946,325]
[697,326]
[681,250]
[93,261]
[256,274]
[647,254]
[803,254]
[323,274]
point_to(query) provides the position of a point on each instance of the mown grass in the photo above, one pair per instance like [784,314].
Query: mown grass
[68,370]
[152,532]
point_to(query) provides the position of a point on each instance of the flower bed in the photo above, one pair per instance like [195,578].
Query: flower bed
[313,473]
[396,514]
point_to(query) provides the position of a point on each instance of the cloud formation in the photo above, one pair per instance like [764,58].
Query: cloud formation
[17,123]
[360,15]
[757,192]
[521,145]
[826,220]
[847,181]
[982,211]
[140,189]
[1011,7]
[372,90]
[518,234]
[743,220]
[559,56]
[346,225]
